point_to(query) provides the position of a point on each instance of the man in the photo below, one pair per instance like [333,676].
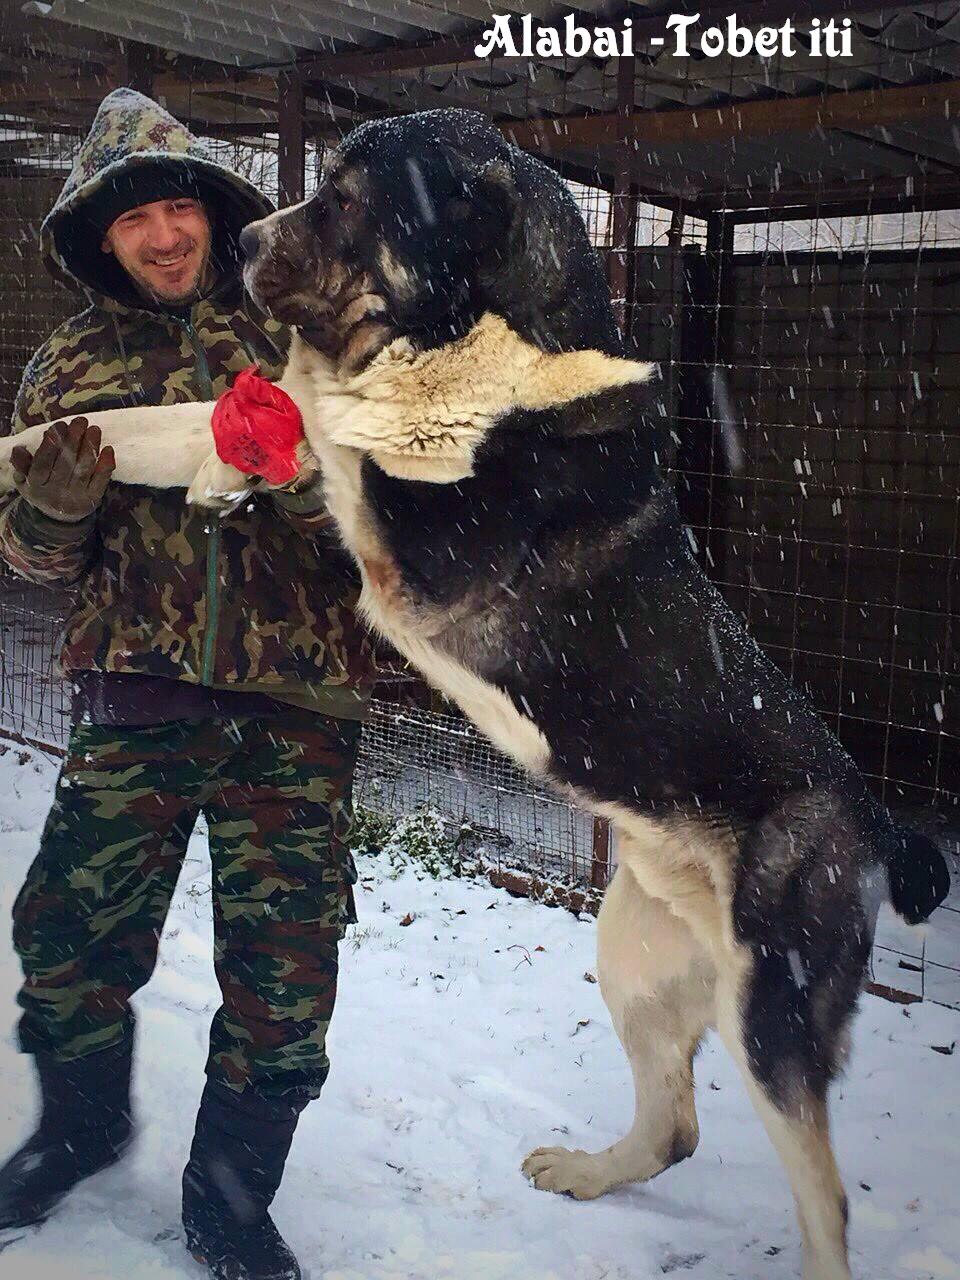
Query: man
[216,667]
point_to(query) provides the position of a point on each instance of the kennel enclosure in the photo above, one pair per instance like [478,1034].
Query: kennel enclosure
[780,234]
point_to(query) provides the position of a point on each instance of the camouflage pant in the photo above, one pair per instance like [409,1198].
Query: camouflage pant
[276,795]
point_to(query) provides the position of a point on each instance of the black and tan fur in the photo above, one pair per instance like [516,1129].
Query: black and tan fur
[492,458]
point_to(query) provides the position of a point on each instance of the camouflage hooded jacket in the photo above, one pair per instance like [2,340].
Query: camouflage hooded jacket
[259,599]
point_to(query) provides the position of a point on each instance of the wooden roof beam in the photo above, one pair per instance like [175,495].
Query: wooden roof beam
[66,88]
[22,32]
[768,117]
[876,195]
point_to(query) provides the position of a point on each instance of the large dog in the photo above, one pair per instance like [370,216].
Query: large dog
[493,460]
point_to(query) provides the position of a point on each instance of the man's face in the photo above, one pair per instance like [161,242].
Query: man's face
[163,246]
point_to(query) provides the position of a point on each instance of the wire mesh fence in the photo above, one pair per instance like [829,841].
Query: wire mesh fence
[826,500]
[820,475]
[417,759]
[824,493]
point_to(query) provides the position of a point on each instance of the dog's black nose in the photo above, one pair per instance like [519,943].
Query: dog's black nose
[249,242]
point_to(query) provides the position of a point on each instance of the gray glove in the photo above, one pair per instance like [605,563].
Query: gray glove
[67,477]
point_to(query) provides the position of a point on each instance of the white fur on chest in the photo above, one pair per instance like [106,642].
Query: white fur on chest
[491,710]
[422,416]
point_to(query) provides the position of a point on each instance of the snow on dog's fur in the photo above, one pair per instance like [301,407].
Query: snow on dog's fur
[492,458]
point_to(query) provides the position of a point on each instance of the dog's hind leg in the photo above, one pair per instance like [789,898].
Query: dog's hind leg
[786,993]
[657,982]
[791,1102]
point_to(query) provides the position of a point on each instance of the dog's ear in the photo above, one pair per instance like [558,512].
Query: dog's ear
[485,199]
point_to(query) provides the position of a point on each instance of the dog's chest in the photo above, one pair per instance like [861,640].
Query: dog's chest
[448,652]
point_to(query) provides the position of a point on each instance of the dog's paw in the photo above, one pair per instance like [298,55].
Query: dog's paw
[218,486]
[573,1173]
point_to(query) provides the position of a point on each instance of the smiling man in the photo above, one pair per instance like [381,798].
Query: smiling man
[217,668]
[162,244]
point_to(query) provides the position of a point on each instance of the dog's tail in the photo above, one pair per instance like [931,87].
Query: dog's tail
[918,874]
[811,829]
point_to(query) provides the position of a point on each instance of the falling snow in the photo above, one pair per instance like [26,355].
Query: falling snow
[462,1040]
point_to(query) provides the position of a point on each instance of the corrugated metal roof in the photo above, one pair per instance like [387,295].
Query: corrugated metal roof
[903,45]
[262,32]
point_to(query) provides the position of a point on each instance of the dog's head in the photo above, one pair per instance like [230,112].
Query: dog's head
[420,224]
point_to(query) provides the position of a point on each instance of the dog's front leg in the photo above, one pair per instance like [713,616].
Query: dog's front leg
[423,415]
[406,441]
[409,434]
[161,446]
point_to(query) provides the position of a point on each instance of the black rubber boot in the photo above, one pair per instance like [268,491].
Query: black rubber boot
[236,1162]
[84,1127]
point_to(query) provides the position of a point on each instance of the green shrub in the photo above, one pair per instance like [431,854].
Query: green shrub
[423,841]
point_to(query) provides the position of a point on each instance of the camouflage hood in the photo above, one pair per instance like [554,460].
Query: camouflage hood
[131,130]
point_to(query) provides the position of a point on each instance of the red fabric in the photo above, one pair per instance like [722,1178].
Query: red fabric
[257,427]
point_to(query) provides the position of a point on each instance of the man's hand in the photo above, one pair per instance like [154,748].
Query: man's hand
[67,477]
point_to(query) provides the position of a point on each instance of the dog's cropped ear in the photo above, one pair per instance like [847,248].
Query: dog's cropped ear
[482,210]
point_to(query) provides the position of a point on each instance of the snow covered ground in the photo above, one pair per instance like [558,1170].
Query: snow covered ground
[462,1040]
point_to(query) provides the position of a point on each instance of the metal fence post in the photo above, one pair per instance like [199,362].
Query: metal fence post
[600,859]
[135,69]
[291,130]
[624,204]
